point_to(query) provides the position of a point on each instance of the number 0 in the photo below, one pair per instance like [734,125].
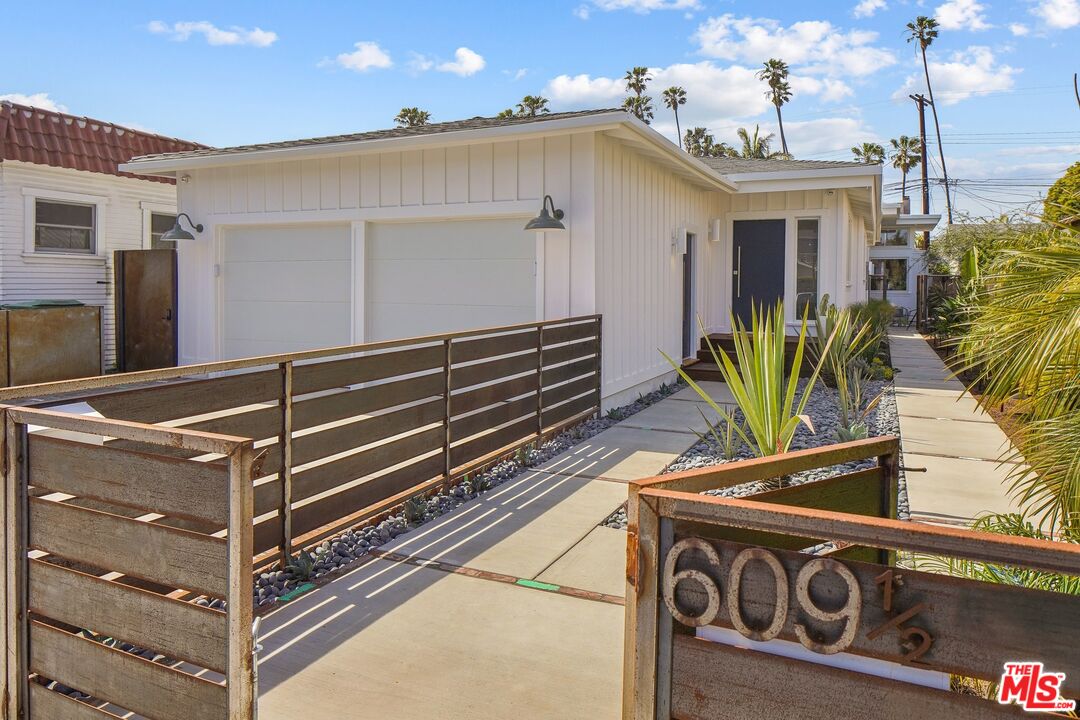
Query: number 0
[780,609]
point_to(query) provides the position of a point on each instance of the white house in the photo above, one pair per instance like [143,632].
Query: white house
[65,206]
[897,258]
[353,238]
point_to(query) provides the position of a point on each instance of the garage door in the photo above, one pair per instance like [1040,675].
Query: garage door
[286,289]
[434,277]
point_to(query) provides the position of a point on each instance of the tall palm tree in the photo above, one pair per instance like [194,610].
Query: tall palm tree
[775,73]
[757,147]
[412,117]
[638,104]
[532,105]
[636,79]
[924,30]
[869,153]
[699,142]
[906,154]
[674,97]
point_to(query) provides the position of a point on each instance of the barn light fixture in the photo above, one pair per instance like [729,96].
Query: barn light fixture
[179,233]
[545,220]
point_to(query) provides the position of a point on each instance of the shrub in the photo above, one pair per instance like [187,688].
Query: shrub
[841,338]
[879,313]
[1062,204]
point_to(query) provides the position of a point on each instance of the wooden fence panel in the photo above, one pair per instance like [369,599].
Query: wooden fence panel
[341,438]
[368,368]
[314,411]
[557,334]
[469,375]
[488,347]
[186,399]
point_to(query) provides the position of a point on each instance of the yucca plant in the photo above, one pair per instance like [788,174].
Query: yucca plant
[721,434]
[841,339]
[763,389]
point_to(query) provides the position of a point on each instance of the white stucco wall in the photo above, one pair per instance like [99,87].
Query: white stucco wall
[124,205]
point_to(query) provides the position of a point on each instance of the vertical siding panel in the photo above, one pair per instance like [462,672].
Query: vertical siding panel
[583,241]
[237,189]
[557,245]
[776,201]
[530,169]
[291,181]
[329,184]
[309,184]
[434,176]
[369,181]
[814,200]
[256,188]
[389,179]
[505,171]
[758,202]
[412,177]
[204,190]
[349,188]
[219,177]
[457,174]
[275,188]
[796,200]
[480,173]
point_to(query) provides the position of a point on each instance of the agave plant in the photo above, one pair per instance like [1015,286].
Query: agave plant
[302,566]
[414,509]
[763,389]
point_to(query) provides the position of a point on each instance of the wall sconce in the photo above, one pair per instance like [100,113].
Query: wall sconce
[179,233]
[546,221]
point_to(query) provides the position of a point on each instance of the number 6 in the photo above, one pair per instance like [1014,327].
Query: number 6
[850,613]
[672,579]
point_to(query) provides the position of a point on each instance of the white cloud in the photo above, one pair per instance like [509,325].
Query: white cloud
[516,75]
[420,63]
[966,73]
[639,6]
[366,56]
[38,100]
[867,8]
[962,15]
[1058,14]
[465,63]
[214,35]
[818,137]
[582,12]
[817,45]
[1019,29]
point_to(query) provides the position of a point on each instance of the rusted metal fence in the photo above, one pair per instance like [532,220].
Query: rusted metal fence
[727,618]
[344,434]
[95,571]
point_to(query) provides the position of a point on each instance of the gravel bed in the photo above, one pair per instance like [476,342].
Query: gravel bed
[341,551]
[821,408]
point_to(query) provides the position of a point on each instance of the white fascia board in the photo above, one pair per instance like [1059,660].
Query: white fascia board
[805,174]
[696,166]
[831,182]
[169,166]
[918,222]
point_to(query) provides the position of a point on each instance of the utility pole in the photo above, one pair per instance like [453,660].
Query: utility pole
[922,102]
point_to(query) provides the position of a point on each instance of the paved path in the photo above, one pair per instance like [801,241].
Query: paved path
[509,606]
[947,432]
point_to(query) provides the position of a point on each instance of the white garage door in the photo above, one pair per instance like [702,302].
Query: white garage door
[433,277]
[286,289]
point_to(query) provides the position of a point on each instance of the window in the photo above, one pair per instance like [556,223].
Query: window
[161,223]
[806,268]
[896,237]
[895,271]
[63,227]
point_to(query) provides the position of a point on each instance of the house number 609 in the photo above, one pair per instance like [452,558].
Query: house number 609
[850,613]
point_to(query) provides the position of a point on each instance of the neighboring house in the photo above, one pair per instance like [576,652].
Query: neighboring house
[378,235]
[898,256]
[65,206]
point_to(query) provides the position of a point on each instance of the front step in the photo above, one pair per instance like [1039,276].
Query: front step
[700,371]
[726,342]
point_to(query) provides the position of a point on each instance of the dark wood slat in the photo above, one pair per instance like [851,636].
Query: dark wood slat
[568,410]
[152,483]
[160,554]
[478,447]
[147,688]
[321,478]
[554,376]
[266,535]
[565,353]
[710,680]
[350,403]
[561,393]
[267,497]
[258,423]
[47,704]
[469,400]
[469,375]
[555,334]
[184,399]
[368,368]
[469,350]
[174,628]
[307,448]
[493,416]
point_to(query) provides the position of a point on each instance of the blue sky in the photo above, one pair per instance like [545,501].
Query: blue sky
[236,73]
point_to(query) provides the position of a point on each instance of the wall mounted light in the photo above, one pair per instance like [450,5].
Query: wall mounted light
[545,220]
[179,233]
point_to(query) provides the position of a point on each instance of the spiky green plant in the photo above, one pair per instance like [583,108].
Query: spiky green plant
[414,509]
[720,434]
[302,566]
[840,339]
[763,389]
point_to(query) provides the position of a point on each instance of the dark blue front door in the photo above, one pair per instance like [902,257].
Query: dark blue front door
[757,266]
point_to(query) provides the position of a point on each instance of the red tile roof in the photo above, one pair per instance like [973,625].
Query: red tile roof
[44,137]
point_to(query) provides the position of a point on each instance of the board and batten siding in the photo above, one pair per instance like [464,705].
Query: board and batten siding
[503,179]
[89,279]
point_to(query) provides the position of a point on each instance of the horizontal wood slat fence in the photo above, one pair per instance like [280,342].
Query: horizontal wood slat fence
[89,573]
[341,434]
[850,632]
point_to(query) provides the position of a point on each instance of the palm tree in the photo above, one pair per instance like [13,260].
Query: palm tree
[775,73]
[412,117]
[924,30]
[636,78]
[674,97]
[758,146]
[869,153]
[699,142]
[507,113]
[640,106]
[906,154]
[532,105]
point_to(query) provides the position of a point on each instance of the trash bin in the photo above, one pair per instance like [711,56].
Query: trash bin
[47,340]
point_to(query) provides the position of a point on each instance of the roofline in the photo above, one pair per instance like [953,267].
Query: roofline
[95,121]
[916,219]
[846,170]
[695,165]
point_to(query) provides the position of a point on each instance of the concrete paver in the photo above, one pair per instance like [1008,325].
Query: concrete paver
[687,417]
[596,563]
[935,403]
[718,391]
[949,437]
[955,491]
[621,454]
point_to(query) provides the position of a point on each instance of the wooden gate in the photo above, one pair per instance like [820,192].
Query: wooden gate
[735,610]
[146,302]
[113,588]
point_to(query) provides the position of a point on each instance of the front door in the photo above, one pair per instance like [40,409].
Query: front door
[757,266]
[145,309]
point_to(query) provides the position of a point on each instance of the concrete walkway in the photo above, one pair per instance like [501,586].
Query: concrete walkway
[947,432]
[509,606]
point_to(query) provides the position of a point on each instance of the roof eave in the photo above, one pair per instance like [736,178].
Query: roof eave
[846,171]
[693,164]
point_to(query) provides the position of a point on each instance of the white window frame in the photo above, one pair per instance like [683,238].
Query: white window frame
[32,195]
[148,209]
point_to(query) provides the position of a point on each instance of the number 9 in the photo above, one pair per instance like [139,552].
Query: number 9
[850,612]
[672,579]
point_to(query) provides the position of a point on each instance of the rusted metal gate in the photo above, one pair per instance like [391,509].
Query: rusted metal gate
[729,615]
[146,303]
[111,589]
